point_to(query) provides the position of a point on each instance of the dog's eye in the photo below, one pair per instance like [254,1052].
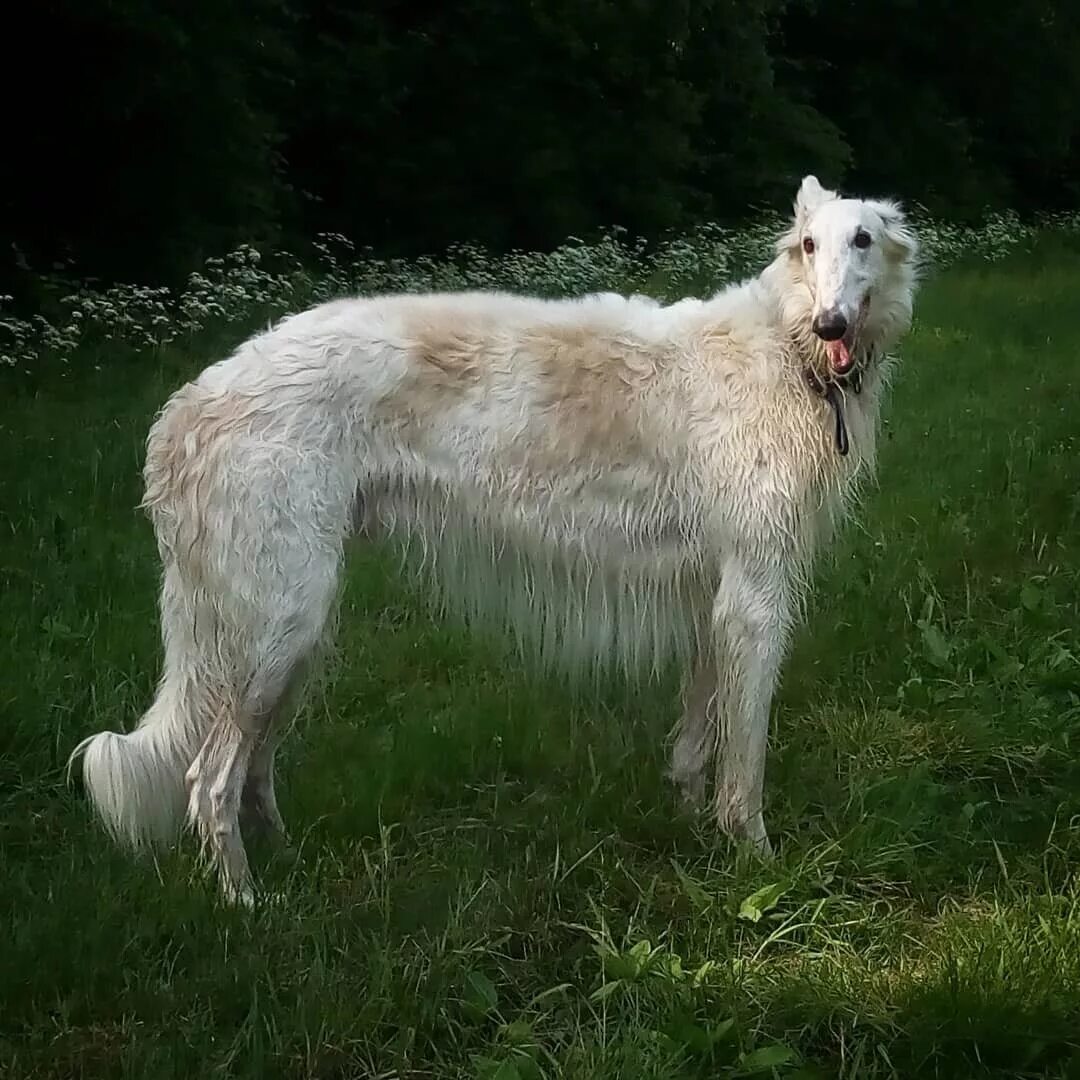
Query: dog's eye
[808,245]
[862,239]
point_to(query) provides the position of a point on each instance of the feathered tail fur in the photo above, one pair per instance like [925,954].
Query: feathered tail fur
[136,781]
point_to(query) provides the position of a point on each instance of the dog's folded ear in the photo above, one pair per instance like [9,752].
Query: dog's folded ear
[899,236]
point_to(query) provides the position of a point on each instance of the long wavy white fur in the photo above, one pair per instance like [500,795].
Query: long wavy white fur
[609,479]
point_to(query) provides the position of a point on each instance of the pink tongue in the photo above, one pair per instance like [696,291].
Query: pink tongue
[838,354]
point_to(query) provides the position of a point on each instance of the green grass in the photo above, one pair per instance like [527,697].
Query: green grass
[492,878]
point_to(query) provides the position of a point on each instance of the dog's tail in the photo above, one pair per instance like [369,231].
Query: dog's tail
[136,781]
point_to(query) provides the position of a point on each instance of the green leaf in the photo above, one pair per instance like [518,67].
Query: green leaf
[685,1032]
[674,966]
[719,1032]
[698,896]
[605,991]
[1007,670]
[702,973]
[551,991]
[59,629]
[519,1031]
[914,693]
[640,954]
[480,992]
[527,1068]
[766,1058]
[938,646]
[1030,596]
[927,609]
[615,965]
[761,902]
[687,1035]
[515,1067]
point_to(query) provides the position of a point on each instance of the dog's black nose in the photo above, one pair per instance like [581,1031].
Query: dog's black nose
[829,325]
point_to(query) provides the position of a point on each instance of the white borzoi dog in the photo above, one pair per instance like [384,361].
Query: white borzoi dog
[605,477]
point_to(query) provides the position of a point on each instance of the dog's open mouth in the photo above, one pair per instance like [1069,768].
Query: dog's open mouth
[841,353]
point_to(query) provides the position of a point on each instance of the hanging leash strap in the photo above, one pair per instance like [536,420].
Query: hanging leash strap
[833,392]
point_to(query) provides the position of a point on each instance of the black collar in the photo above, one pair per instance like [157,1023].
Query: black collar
[832,388]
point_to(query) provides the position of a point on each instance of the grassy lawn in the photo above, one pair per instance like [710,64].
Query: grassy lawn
[491,877]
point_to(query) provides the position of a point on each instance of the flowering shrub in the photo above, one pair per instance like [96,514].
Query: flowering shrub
[238,286]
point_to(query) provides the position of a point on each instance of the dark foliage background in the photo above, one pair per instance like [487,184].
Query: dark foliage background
[145,135]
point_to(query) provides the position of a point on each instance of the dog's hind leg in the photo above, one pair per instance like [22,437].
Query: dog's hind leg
[233,770]
[695,740]
[277,594]
[751,623]
[215,782]
[259,804]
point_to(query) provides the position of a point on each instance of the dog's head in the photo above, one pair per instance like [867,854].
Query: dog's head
[857,259]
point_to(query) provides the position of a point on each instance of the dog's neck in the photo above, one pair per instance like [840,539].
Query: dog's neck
[807,351]
[834,390]
[823,382]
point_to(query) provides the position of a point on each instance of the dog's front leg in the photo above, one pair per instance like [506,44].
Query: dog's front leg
[750,624]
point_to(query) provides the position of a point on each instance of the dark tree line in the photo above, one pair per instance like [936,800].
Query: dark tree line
[144,135]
